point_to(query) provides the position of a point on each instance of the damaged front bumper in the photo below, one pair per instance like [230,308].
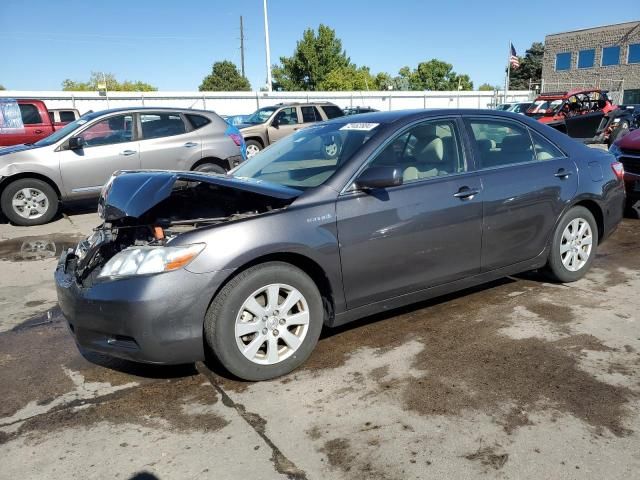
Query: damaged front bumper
[150,318]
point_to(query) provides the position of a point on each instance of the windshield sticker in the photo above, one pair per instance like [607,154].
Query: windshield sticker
[10,117]
[364,127]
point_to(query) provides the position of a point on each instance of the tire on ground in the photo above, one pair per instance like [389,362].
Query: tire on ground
[220,319]
[253,144]
[6,201]
[555,266]
[210,167]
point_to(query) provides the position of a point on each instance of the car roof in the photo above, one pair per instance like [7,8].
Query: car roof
[149,109]
[570,93]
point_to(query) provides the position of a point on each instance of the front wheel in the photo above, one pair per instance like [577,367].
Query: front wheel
[210,168]
[265,322]
[29,201]
[253,148]
[574,245]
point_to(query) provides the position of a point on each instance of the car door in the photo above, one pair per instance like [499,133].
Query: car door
[422,233]
[35,127]
[285,122]
[527,181]
[110,144]
[584,126]
[167,143]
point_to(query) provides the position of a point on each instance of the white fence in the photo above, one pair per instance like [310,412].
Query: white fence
[231,103]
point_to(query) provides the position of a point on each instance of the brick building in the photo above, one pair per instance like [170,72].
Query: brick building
[605,57]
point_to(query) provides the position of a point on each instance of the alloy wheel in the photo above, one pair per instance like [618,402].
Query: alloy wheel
[576,244]
[30,203]
[252,150]
[272,324]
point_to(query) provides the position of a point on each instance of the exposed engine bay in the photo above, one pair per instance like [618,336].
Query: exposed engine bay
[190,204]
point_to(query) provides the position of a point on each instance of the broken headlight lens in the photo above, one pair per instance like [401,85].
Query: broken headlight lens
[146,260]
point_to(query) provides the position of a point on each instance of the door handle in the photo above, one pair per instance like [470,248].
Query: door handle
[37,131]
[126,153]
[466,193]
[190,144]
[562,173]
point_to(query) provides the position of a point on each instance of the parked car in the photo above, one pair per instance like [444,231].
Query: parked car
[251,265]
[269,124]
[76,161]
[61,116]
[503,107]
[35,124]
[519,107]
[236,120]
[358,110]
[627,151]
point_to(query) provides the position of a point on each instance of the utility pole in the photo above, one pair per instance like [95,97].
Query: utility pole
[268,49]
[241,46]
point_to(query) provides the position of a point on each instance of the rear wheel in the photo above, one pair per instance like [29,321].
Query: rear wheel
[210,168]
[29,201]
[574,245]
[253,148]
[265,322]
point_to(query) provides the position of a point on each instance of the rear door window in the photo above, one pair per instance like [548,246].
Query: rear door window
[544,149]
[501,142]
[310,114]
[30,114]
[331,111]
[158,125]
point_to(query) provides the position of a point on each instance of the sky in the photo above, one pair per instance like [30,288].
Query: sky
[173,44]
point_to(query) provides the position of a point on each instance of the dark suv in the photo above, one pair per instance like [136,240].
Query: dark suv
[253,264]
[269,124]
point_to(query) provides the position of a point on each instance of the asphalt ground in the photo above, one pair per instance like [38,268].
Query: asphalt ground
[517,379]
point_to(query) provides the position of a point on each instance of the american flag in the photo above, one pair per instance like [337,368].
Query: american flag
[513,59]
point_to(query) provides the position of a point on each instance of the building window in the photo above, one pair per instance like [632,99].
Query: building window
[586,58]
[631,96]
[634,53]
[610,56]
[563,61]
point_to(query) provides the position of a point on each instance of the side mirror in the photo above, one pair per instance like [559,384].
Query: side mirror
[76,143]
[275,123]
[379,177]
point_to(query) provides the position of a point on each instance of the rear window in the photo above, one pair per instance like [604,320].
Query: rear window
[331,111]
[67,116]
[310,114]
[197,121]
[30,114]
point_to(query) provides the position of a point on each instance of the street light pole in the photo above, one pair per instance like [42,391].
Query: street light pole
[267,47]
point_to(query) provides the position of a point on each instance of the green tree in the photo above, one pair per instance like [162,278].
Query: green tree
[348,78]
[225,77]
[98,78]
[383,81]
[315,57]
[486,87]
[530,69]
[435,75]
[2,87]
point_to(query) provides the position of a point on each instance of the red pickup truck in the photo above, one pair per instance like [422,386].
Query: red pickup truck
[38,123]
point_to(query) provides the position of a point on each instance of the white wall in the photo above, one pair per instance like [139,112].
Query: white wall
[230,103]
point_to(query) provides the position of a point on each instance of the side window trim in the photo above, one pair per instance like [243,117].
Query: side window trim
[455,119]
[533,144]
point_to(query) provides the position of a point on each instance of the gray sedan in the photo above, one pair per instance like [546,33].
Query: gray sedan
[75,162]
[252,265]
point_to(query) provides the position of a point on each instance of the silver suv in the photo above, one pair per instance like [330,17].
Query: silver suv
[269,124]
[76,161]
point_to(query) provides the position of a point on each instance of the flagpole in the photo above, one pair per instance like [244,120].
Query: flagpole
[506,83]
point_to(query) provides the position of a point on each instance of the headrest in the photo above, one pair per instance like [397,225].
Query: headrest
[516,143]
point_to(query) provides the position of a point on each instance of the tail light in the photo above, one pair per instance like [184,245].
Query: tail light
[618,170]
[237,138]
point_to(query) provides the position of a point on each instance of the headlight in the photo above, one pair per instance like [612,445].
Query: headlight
[146,260]
[615,150]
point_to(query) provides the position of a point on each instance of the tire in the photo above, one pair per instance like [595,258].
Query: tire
[560,266]
[36,196]
[253,147]
[210,168]
[228,313]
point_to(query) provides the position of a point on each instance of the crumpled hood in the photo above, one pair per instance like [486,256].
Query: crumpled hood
[131,193]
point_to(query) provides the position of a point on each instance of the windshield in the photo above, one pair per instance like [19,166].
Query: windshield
[545,106]
[66,130]
[309,157]
[261,115]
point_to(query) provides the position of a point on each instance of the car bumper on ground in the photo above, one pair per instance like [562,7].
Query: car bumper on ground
[151,319]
